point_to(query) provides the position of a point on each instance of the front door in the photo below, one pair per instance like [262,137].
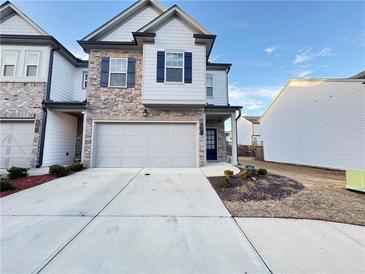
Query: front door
[211,143]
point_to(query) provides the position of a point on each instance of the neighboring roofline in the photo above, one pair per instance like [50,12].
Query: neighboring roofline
[228,107]
[125,13]
[247,118]
[42,40]
[306,80]
[30,21]
[358,75]
[219,66]
[171,11]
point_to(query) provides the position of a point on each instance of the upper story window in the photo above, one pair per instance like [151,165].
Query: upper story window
[84,80]
[9,63]
[210,85]
[174,67]
[118,72]
[32,63]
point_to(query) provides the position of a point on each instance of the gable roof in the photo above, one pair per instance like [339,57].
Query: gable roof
[7,10]
[171,12]
[125,14]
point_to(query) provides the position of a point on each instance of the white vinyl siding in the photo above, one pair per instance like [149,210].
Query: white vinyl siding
[124,31]
[79,93]
[244,132]
[17,25]
[174,36]
[60,138]
[118,144]
[220,92]
[9,63]
[16,143]
[31,64]
[317,123]
[20,68]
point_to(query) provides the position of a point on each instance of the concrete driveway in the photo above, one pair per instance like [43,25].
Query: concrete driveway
[159,221]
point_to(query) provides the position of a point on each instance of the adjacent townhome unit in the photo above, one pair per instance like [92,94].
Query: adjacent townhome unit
[317,122]
[248,130]
[153,99]
[43,92]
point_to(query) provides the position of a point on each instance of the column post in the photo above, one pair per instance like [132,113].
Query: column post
[234,138]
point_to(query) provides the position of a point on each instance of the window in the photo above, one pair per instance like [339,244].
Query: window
[84,80]
[174,67]
[31,64]
[118,72]
[210,85]
[9,63]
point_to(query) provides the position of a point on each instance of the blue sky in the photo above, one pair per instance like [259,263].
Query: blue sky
[267,42]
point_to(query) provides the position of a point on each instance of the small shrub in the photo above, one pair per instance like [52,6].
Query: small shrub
[261,171]
[228,173]
[58,170]
[6,185]
[246,175]
[17,172]
[225,183]
[76,167]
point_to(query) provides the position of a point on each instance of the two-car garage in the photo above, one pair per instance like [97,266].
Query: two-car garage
[145,144]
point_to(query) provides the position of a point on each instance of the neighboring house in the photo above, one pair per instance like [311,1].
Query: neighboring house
[147,96]
[248,130]
[153,97]
[317,122]
[42,90]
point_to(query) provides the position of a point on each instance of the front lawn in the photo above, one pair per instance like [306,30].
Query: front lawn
[309,194]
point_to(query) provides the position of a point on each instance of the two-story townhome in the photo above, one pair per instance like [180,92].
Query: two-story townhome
[153,99]
[42,94]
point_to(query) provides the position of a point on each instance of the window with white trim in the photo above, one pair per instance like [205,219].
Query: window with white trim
[174,67]
[84,80]
[210,85]
[9,63]
[31,63]
[118,72]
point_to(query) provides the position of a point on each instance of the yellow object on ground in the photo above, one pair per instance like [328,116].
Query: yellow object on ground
[355,179]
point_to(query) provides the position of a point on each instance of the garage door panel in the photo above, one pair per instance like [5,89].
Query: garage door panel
[145,144]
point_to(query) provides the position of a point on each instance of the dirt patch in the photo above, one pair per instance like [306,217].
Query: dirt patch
[258,188]
[324,196]
[27,182]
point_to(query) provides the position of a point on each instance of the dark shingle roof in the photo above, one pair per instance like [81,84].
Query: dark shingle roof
[360,75]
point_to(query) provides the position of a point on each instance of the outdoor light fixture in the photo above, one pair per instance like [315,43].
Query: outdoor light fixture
[145,113]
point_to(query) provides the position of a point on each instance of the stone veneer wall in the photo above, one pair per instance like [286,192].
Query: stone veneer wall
[24,100]
[126,103]
[221,139]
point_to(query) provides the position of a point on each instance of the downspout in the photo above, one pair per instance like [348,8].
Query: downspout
[239,116]
[44,108]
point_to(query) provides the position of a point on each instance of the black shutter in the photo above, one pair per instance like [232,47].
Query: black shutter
[160,77]
[188,68]
[104,72]
[131,75]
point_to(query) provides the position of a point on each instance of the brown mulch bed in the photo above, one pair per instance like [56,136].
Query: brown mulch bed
[318,194]
[27,182]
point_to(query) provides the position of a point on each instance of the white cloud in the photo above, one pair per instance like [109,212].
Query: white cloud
[305,73]
[271,50]
[255,99]
[309,54]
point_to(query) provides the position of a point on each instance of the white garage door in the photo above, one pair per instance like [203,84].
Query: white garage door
[144,145]
[16,143]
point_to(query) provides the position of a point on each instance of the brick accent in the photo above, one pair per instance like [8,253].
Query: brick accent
[24,100]
[221,139]
[125,104]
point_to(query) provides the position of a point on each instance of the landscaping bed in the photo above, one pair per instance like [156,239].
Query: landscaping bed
[27,182]
[292,192]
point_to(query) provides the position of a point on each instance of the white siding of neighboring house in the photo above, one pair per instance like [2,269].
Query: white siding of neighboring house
[79,94]
[220,92]
[174,36]
[134,23]
[62,84]
[256,133]
[20,63]
[317,123]
[17,25]
[60,138]
[244,131]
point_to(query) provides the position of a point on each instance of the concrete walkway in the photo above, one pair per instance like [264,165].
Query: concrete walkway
[159,221]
